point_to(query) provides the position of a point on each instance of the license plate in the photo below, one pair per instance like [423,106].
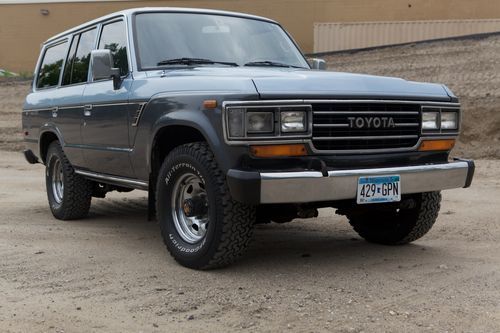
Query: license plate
[379,189]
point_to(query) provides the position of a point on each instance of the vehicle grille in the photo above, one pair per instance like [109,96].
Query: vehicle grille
[332,130]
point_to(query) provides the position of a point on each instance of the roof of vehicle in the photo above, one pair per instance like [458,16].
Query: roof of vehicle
[132,11]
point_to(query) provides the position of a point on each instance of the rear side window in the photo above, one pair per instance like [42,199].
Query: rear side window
[69,62]
[50,69]
[114,38]
[77,67]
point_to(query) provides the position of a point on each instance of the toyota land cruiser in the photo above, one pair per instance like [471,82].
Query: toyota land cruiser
[220,117]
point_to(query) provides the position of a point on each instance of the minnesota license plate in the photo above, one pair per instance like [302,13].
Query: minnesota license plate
[378,189]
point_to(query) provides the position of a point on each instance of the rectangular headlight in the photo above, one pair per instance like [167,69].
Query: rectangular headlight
[293,121]
[430,120]
[236,122]
[449,120]
[260,122]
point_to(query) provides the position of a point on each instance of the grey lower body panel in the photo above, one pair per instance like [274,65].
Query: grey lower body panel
[314,186]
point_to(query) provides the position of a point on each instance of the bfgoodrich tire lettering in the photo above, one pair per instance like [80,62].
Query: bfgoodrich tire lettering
[69,194]
[394,227]
[230,224]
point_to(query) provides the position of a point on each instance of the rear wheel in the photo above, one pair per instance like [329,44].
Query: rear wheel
[392,225]
[69,194]
[201,225]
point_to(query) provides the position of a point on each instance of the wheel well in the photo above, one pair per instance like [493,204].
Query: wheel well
[168,138]
[45,140]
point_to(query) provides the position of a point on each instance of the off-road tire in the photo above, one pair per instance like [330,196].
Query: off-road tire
[377,224]
[230,223]
[77,192]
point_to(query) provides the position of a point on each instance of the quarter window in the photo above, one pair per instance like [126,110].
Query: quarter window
[79,61]
[50,69]
[113,37]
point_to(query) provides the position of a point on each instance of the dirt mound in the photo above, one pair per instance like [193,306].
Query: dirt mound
[470,67]
[12,94]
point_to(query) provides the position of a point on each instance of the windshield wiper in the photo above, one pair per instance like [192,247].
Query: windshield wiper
[194,61]
[270,64]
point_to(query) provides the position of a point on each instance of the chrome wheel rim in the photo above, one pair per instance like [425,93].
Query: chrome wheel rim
[189,188]
[57,179]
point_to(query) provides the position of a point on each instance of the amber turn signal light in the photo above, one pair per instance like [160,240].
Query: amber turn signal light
[436,145]
[278,150]
[210,104]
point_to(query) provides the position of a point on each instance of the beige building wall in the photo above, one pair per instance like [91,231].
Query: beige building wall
[330,37]
[23,28]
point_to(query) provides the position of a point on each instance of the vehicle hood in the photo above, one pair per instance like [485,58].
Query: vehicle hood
[280,83]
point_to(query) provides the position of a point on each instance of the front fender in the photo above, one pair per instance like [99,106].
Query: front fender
[194,119]
[184,110]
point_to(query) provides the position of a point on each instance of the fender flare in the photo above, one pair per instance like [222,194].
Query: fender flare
[48,128]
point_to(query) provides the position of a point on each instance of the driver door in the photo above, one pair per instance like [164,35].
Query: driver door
[105,116]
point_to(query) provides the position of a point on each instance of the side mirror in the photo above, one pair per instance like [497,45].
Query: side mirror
[102,67]
[318,64]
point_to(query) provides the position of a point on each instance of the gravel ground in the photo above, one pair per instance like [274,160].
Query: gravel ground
[111,273]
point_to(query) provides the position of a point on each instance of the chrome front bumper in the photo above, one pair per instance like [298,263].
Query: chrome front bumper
[313,186]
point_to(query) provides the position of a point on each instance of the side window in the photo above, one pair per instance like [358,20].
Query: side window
[77,67]
[69,61]
[50,69]
[113,37]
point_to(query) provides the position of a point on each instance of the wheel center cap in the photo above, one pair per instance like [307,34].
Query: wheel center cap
[188,207]
[195,206]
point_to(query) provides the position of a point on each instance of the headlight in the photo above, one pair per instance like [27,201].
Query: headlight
[236,122]
[260,122]
[267,122]
[293,121]
[430,120]
[449,120]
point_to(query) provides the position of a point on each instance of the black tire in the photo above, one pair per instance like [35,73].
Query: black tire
[386,224]
[72,200]
[229,224]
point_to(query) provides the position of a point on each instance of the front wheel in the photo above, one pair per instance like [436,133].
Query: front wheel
[201,225]
[390,225]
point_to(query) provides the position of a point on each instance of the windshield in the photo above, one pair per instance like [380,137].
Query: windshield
[161,37]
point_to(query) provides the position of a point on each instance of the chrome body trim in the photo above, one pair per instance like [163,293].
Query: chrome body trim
[347,101]
[121,181]
[365,112]
[114,149]
[138,114]
[331,125]
[312,186]
[406,125]
[95,105]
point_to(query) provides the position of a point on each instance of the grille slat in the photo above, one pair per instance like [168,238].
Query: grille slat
[387,137]
[332,129]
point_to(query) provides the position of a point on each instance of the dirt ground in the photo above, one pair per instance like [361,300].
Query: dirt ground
[111,273]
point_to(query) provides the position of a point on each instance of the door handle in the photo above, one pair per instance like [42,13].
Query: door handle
[87,110]
[54,112]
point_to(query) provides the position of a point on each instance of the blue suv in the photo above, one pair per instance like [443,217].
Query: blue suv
[225,123]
